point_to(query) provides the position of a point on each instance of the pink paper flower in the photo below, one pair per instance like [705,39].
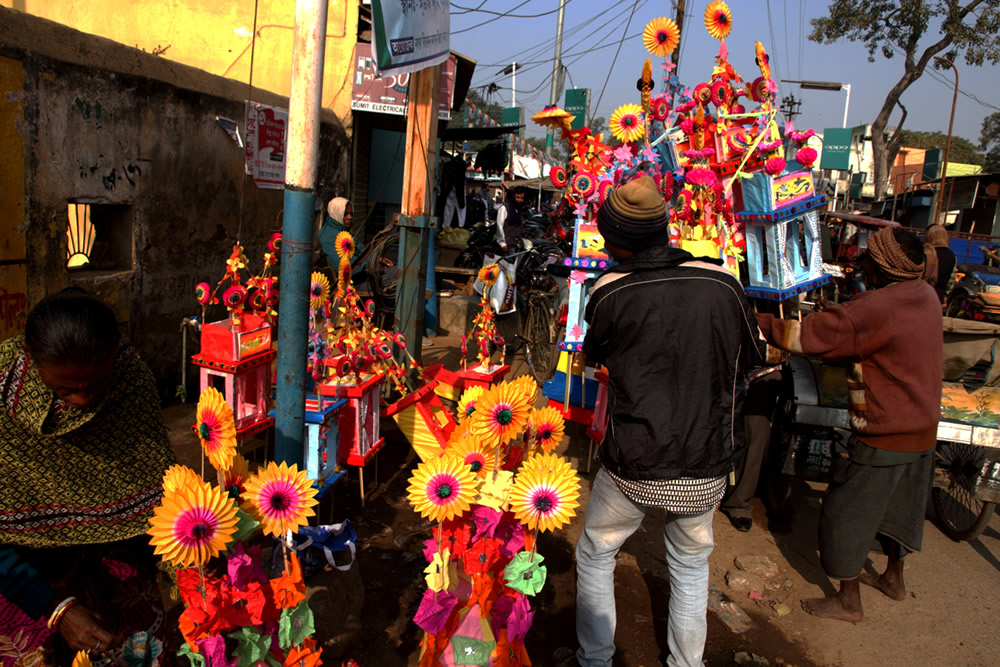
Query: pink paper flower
[774,166]
[700,178]
[806,156]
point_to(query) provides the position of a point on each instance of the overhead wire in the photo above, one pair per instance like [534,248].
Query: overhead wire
[615,59]
[774,47]
[501,15]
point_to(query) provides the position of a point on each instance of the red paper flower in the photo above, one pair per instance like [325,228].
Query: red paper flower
[584,184]
[774,166]
[203,293]
[558,176]
[806,156]
[274,243]
[234,296]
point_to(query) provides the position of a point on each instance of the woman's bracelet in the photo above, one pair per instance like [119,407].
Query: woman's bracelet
[60,611]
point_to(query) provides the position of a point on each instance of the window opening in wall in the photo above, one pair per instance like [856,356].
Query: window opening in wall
[99,237]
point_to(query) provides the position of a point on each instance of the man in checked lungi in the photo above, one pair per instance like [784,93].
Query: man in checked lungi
[891,339]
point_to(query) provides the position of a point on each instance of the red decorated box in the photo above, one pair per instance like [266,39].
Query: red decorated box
[225,342]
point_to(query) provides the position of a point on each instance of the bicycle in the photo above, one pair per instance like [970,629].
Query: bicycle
[538,299]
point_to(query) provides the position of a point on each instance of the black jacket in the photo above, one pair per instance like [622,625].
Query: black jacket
[677,341]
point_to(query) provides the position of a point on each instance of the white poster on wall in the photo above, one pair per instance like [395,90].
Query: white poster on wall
[409,35]
[266,142]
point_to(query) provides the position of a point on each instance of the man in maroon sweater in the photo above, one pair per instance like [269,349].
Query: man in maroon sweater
[891,339]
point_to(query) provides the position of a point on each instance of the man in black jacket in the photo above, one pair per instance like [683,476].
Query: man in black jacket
[677,337]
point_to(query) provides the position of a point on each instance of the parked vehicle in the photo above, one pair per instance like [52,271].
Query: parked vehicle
[976,293]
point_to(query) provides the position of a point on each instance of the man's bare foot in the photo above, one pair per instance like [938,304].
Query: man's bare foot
[891,589]
[832,608]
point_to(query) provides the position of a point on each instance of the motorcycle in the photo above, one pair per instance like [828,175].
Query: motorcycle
[976,294]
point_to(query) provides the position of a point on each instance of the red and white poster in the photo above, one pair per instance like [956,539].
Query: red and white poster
[267,137]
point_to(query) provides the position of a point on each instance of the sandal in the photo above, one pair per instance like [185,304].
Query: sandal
[565,657]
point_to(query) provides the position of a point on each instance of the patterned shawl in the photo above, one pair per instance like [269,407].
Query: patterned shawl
[72,476]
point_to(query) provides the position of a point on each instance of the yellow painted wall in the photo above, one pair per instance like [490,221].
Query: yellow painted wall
[13,275]
[216,36]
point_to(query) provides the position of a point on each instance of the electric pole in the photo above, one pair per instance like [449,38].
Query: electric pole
[556,74]
[675,57]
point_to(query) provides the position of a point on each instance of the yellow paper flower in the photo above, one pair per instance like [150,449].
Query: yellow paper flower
[545,499]
[442,488]
[234,480]
[718,19]
[494,490]
[489,274]
[548,426]
[478,459]
[528,387]
[82,660]
[344,243]
[216,428]
[319,290]
[500,415]
[179,477]
[192,525]
[626,123]
[661,36]
[282,498]
[441,573]
[467,403]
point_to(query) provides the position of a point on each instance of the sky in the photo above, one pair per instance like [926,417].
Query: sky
[593,29]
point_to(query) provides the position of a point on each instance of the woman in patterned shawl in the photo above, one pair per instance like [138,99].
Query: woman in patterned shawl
[83,449]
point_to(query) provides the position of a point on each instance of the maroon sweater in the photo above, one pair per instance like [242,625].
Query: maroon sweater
[892,338]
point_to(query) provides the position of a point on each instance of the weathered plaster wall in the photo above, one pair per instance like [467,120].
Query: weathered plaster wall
[111,137]
[216,37]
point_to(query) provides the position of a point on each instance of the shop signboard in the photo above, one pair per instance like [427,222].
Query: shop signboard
[267,134]
[836,148]
[577,104]
[410,35]
[389,93]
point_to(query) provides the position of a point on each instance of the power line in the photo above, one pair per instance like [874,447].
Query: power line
[615,59]
[774,45]
[501,15]
[467,10]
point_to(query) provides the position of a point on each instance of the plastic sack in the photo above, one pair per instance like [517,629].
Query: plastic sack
[455,238]
[316,546]
[503,293]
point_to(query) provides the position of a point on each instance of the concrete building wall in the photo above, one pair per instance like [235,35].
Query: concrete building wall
[127,132]
[216,36]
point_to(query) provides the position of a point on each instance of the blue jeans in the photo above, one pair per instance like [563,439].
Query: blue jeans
[611,518]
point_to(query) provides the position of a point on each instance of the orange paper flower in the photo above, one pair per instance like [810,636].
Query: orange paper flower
[544,497]
[216,428]
[192,525]
[626,123]
[661,36]
[180,477]
[442,488]
[501,414]
[489,274]
[718,19]
[548,427]
[282,498]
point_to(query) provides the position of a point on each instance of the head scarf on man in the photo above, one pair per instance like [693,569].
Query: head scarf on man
[336,208]
[891,259]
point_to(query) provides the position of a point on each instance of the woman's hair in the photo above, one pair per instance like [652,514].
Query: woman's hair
[513,213]
[937,236]
[71,327]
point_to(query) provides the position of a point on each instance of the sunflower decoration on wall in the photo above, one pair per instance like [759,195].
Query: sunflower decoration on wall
[544,496]
[626,123]
[500,415]
[547,426]
[216,428]
[718,19]
[282,498]
[319,289]
[442,488]
[192,525]
[661,36]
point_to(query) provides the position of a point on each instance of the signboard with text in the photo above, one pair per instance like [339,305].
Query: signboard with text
[390,93]
[836,148]
[577,103]
[267,134]
[410,35]
[513,117]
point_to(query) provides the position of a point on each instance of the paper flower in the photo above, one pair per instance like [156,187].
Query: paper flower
[442,488]
[584,184]
[233,480]
[295,625]
[440,574]
[661,36]
[806,156]
[216,429]
[720,93]
[257,299]
[307,655]
[203,293]
[703,93]
[548,426]
[626,123]
[81,659]
[525,573]
[274,243]
[467,403]
[478,459]
[234,296]
[774,166]
[495,490]
[489,274]
[282,498]
[192,525]
[180,477]
[604,189]
[558,176]
[545,499]
[700,178]
[718,19]
[500,414]
[434,611]
[553,116]
[528,387]
[659,107]
[319,289]
[761,89]
[344,244]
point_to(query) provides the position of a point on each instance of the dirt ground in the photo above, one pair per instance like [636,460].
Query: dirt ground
[366,612]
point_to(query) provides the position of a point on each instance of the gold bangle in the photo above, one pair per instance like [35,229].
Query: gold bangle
[59,611]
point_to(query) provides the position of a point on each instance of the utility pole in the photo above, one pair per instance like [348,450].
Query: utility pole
[675,57]
[556,75]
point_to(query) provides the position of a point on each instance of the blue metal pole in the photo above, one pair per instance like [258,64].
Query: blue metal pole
[308,50]
[431,307]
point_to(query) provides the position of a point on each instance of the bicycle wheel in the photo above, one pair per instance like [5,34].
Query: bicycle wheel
[961,515]
[540,339]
